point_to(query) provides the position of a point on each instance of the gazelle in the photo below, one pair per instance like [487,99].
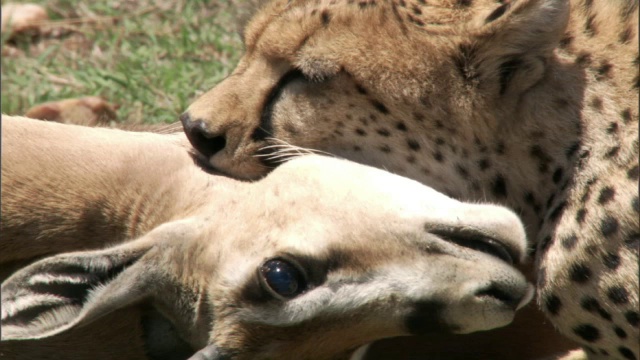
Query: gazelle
[315,260]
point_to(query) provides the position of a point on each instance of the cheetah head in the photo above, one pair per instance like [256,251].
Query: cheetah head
[355,78]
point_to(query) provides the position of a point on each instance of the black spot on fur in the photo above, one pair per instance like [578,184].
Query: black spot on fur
[627,353]
[635,204]
[604,71]
[596,103]
[634,173]
[537,152]
[326,17]
[606,195]
[612,128]
[365,4]
[497,13]
[593,306]
[618,295]
[587,192]
[401,126]
[383,132]
[590,304]
[500,148]
[361,132]
[557,211]
[557,176]
[590,26]
[620,332]
[580,215]
[625,36]
[438,156]
[570,241]
[462,171]
[609,226]
[380,106]
[633,318]
[626,115]
[543,167]
[499,186]
[360,89]
[587,332]
[413,144]
[530,199]
[506,71]
[566,41]
[633,242]
[611,260]
[553,304]
[464,61]
[583,59]
[580,273]
[571,150]
[612,152]
[385,149]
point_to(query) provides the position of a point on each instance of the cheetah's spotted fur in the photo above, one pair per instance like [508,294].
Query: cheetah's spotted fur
[530,103]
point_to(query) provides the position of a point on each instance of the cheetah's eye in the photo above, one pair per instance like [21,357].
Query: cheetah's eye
[282,278]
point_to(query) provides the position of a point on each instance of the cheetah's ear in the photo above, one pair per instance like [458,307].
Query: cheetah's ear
[525,25]
[509,45]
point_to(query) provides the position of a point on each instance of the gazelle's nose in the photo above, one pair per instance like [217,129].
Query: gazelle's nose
[207,143]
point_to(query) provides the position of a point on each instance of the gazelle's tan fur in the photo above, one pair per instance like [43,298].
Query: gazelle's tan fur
[379,255]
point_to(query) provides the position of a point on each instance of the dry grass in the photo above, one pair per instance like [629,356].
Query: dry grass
[150,58]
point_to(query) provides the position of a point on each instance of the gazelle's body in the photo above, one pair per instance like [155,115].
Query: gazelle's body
[369,254]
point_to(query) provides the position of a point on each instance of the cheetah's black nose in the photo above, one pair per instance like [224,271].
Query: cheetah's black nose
[207,143]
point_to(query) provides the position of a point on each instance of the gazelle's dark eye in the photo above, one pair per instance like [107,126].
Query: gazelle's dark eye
[282,278]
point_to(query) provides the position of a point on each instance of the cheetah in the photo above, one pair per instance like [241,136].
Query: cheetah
[273,269]
[532,104]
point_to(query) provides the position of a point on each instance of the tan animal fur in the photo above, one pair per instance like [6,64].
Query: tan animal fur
[532,104]
[371,261]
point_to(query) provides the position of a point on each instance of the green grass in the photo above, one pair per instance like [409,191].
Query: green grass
[151,58]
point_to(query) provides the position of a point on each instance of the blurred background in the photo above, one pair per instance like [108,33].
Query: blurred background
[146,59]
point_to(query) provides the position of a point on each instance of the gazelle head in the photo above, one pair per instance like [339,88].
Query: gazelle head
[313,261]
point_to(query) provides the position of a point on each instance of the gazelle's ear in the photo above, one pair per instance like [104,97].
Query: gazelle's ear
[509,45]
[62,291]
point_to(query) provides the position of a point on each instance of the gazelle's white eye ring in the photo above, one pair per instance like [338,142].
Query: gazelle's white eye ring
[282,278]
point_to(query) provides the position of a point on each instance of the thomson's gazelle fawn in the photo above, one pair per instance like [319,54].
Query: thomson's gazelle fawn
[313,261]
